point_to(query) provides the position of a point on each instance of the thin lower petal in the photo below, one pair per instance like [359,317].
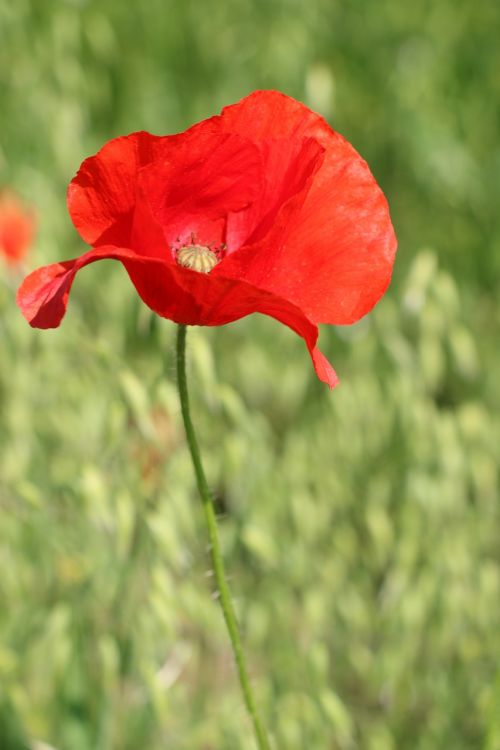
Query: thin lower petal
[173,292]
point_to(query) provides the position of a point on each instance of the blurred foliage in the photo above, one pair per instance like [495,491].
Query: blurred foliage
[360,527]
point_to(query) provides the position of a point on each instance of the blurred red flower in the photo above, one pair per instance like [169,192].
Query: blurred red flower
[17,227]
[263,208]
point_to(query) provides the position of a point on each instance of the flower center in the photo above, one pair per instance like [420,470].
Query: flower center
[197,257]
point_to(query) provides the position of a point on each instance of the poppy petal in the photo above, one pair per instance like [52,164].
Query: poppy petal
[333,254]
[288,163]
[207,176]
[43,294]
[171,291]
[101,197]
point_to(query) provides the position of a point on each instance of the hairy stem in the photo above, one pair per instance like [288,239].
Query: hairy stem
[218,565]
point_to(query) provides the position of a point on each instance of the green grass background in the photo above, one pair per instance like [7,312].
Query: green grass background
[361,527]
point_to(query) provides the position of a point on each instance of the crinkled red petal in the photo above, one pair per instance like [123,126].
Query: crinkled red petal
[102,196]
[207,176]
[142,191]
[171,291]
[289,164]
[333,254]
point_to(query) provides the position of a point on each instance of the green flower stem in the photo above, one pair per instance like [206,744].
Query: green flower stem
[218,565]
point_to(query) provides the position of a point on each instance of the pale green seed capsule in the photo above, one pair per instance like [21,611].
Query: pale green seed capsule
[197,257]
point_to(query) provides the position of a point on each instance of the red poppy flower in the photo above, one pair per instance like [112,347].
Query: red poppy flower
[263,208]
[17,226]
